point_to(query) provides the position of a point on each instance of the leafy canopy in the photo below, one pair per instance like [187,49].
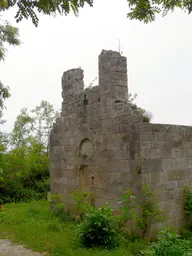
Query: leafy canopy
[142,10]
[29,8]
[8,35]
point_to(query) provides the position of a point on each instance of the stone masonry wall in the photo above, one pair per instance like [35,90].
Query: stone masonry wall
[100,143]
[166,164]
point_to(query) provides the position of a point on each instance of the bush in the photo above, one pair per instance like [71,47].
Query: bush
[141,212]
[151,212]
[99,229]
[129,208]
[170,244]
[81,202]
[188,201]
[23,177]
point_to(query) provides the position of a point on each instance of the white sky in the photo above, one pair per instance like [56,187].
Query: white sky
[159,57]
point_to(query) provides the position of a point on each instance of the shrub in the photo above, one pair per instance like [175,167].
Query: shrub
[81,202]
[151,212]
[188,201]
[188,205]
[99,229]
[23,177]
[169,243]
[142,213]
[129,208]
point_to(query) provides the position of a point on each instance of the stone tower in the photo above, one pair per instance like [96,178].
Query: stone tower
[89,150]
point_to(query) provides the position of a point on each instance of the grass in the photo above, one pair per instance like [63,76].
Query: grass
[32,225]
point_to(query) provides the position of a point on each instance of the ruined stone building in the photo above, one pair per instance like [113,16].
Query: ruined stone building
[100,143]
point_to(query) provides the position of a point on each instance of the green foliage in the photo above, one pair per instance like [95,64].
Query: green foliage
[43,117]
[60,213]
[81,202]
[145,115]
[151,213]
[9,35]
[29,9]
[141,212]
[53,227]
[22,129]
[99,229]
[32,224]
[24,174]
[33,127]
[4,94]
[24,161]
[169,243]
[188,205]
[3,142]
[145,10]
[188,201]
[129,208]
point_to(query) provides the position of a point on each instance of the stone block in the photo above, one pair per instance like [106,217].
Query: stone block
[183,183]
[172,185]
[156,153]
[100,202]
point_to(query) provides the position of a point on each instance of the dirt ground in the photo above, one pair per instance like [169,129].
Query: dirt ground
[8,249]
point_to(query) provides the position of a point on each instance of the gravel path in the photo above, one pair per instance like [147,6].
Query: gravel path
[8,249]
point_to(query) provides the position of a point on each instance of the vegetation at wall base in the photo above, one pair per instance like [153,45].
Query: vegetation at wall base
[58,233]
[99,229]
[33,225]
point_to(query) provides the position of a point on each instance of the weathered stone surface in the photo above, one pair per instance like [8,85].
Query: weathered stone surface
[100,144]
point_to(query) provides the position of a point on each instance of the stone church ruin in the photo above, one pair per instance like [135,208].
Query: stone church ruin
[100,144]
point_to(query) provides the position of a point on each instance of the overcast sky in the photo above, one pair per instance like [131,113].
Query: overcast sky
[159,57]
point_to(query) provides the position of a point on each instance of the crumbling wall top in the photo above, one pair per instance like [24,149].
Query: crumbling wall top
[112,78]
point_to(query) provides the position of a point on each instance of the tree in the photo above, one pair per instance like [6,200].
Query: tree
[22,130]
[8,35]
[146,10]
[33,127]
[142,10]
[29,8]
[44,117]
[4,94]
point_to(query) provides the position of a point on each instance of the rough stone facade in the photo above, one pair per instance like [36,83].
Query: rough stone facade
[100,143]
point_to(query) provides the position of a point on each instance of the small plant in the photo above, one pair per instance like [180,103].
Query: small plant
[129,208]
[99,229]
[141,213]
[151,213]
[188,204]
[81,202]
[57,198]
[53,227]
[188,201]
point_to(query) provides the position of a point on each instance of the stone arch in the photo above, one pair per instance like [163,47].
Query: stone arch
[85,148]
